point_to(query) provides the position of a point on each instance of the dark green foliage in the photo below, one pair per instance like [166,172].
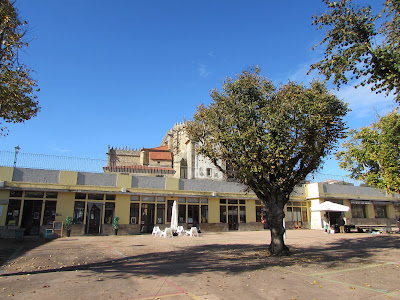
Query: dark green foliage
[17,88]
[352,47]
[268,138]
[373,154]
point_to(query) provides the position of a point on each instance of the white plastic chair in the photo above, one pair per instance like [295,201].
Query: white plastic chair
[180,230]
[156,231]
[192,231]
[167,231]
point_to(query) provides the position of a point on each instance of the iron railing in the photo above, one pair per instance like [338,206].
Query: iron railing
[92,165]
[51,162]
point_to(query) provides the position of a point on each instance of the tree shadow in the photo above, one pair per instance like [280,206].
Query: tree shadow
[11,248]
[233,258]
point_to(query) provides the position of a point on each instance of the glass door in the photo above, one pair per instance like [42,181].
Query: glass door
[233,217]
[147,220]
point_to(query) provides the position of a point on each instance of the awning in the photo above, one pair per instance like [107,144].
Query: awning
[329,206]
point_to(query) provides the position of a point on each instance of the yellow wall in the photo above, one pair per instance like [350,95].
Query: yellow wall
[370,211]
[68,177]
[250,211]
[213,210]
[4,204]
[122,208]
[124,180]
[390,211]
[348,213]
[65,206]
[6,173]
[171,183]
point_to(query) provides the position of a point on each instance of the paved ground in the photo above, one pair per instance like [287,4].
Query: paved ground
[229,265]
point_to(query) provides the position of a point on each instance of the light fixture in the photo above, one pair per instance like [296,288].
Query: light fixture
[17,148]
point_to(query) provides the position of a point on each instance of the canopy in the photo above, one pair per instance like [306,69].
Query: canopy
[329,206]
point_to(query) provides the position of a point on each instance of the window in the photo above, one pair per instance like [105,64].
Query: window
[79,210]
[110,197]
[222,214]
[160,199]
[204,214]
[296,211]
[193,214]
[169,209]
[242,214]
[358,211]
[148,198]
[109,212]
[95,196]
[135,198]
[134,213]
[13,211]
[49,212]
[34,194]
[208,172]
[397,210]
[258,213]
[15,193]
[182,213]
[293,214]
[80,196]
[193,200]
[160,212]
[380,211]
[51,195]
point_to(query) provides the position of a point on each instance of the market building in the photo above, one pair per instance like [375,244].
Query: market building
[140,186]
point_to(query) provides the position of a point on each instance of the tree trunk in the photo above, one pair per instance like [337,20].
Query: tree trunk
[275,216]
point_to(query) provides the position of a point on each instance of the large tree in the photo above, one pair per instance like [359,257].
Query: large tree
[361,45]
[17,89]
[269,138]
[372,154]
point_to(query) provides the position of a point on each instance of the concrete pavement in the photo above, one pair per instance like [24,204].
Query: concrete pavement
[231,265]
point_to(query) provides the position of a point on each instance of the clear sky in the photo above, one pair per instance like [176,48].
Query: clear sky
[123,72]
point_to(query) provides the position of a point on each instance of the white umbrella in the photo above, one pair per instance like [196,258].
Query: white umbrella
[174,217]
[329,206]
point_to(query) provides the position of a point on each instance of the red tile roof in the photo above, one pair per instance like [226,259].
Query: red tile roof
[160,155]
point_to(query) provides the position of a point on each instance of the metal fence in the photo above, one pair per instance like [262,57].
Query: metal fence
[79,164]
[51,162]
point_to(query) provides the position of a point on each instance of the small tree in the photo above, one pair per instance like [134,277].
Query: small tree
[17,88]
[354,49]
[372,154]
[270,138]
[115,224]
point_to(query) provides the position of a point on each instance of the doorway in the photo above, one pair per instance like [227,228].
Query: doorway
[193,215]
[334,217]
[31,216]
[148,214]
[93,217]
[233,218]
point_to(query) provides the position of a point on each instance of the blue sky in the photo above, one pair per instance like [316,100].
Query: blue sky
[121,73]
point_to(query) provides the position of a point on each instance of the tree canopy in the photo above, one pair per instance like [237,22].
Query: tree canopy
[269,138]
[361,45]
[17,89]
[372,154]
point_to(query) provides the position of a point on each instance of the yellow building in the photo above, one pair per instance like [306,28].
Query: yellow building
[33,198]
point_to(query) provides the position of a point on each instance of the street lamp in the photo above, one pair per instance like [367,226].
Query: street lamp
[17,148]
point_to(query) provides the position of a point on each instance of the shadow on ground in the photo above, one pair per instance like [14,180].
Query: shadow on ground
[10,248]
[231,259]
